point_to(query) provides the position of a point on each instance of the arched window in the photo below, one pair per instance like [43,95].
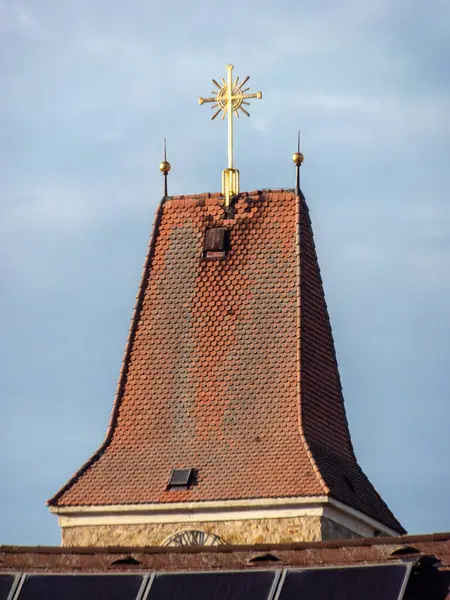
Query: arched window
[194,537]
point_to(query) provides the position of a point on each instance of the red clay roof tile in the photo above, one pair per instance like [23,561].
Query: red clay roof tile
[229,368]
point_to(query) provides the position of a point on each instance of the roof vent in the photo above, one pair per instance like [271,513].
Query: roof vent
[216,243]
[262,558]
[405,550]
[126,559]
[180,478]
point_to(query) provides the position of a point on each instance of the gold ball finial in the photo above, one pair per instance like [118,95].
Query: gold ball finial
[164,167]
[298,158]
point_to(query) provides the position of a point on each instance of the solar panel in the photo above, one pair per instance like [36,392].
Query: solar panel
[6,583]
[81,587]
[356,583]
[251,585]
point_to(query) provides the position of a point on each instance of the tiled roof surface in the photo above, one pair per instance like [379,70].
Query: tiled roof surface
[229,369]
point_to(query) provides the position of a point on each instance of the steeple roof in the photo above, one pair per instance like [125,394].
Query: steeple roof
[229,369]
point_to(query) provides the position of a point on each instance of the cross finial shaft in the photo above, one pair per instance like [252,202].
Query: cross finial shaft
[230,115]
[229,99]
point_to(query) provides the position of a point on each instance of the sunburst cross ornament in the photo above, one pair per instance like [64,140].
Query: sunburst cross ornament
[229,99]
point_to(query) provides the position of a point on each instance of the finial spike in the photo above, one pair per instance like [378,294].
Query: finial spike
[164,167]
[298,158]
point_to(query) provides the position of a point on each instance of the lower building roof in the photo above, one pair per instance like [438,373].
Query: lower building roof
[395,568]
[222,557]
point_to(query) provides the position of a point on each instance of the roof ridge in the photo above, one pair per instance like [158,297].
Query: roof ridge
[330,332]
[218,198]
[300,201]
[126,356]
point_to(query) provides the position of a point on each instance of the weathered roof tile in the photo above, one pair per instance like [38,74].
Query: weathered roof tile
[229,368]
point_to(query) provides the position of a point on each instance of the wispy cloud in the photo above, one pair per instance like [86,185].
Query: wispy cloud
[89,90]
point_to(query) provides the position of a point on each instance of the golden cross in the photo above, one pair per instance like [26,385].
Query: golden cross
[229,99]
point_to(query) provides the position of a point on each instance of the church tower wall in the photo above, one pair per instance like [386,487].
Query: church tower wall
[248,531]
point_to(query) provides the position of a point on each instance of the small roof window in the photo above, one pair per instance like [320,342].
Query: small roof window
[180,478]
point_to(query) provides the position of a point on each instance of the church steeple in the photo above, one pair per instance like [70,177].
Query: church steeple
[228,424]
[229,371]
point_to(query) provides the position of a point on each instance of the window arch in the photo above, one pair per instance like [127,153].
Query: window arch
[194,537]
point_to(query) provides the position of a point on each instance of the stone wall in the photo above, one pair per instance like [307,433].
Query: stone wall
[272,531]
[334,531]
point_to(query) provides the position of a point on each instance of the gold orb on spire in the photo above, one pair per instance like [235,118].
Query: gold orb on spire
[164,167]
[298,158]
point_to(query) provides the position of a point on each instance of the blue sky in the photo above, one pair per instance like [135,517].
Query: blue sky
[90,88]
